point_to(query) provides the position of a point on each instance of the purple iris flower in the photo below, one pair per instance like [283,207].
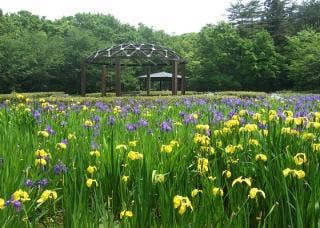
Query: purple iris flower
[50,130]
[111,120]
[94,145]
[28,183]
[96,119]
[182,114]
[17,205]
[136,110]
[218,116]
[42,183]
[59,168]
[142,123]
[189,119]
[37,115]
[166,126]
[131,127]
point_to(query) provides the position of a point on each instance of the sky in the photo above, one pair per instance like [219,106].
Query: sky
[172,16]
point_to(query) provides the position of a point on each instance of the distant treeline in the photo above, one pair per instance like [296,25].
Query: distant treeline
[264,46]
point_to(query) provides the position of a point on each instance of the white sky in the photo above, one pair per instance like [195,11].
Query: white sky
[172,16]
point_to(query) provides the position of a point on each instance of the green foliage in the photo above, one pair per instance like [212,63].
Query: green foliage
[304,62]
[29,61]
[308,15]
[131,169]
[246,17]
[231,62]
[248,53]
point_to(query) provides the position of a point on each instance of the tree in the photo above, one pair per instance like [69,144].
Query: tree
[276,20]
[246,17]
[29,61]
[220,50]
[308,15]
[261,64]
[304,60]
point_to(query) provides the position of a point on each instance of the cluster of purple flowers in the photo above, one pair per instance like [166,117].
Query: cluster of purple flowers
[131,126]
[50,130]
[190,119]
[60,167]
[40,183]
[15,203]
[111,120]
[166,126]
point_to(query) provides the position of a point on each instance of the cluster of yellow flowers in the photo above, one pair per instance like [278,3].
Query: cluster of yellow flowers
[217,191]
[157,177]
[202,140]
[300,174]
[289,131]
[47,195]
[2,202]
[226,173]
[116,110]
[61,146]
[133,155]
[202,165]
[195,192]
[230,149]
[261,157]
[169,147]
[91,169]
[308,136]
[254,191]
[202,127]
[72,136]
[121,147]
[316,147]
[273,115]
[95,153]
[300,158]
[21,196]
[233,122]
[241,180]
[42,157]
[44,134]
[90,182]
[126,214]
[88,123]
[249,128]
[315,125]
[254,142]
[181,203]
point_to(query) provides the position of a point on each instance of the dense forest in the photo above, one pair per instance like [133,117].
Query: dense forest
[264,46]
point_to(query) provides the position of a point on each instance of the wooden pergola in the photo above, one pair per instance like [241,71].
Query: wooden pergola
[160,77]
[134,54]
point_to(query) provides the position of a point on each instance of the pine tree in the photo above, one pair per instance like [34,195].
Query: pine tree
[276,19]
[246,17]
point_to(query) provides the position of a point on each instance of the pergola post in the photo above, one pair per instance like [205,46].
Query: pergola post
[174,78]
[148,81]
[83,80]
[103,80]
[118,79]
[183,79]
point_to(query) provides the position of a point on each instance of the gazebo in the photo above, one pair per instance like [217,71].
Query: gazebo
[159,77]
[134,54]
